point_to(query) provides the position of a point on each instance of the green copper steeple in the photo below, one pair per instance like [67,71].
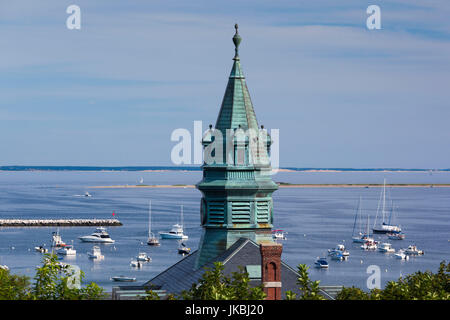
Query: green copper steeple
[237,193]
[237,107]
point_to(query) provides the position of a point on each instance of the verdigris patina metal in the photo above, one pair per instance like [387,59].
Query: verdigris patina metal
[237,192]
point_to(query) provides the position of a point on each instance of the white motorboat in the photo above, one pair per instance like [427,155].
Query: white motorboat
[100,235]
[321,263]
[339,250]
[142,256]
[176,232]
[152,240]
[123,279]
[401,255]
[385,227]
[95,253]
[57,240]
[87,194]
[68,250]
[41,249]
[135,264]
[386,248]
[279,234]
[412,250]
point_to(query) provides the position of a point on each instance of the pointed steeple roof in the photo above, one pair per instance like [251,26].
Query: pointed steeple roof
[237,108]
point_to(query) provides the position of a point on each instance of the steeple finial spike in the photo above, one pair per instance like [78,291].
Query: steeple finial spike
[236,40]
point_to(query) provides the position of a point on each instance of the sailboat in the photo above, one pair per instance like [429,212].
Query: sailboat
[384,227]
[369,243]
[176,232]
[360,237]
[152,240]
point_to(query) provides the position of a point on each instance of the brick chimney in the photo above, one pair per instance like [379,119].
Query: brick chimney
[271,269]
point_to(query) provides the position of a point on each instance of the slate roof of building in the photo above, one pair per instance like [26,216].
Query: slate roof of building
[243,252]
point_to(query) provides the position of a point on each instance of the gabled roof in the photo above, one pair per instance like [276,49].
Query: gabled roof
[243,252]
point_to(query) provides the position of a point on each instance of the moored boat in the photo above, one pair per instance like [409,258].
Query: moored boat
[360,237]
[386,248]
[401,255]
[177,231]
[41,249]
[412,250]
[68,250]
[100,236]
[385,227]
[123,279]
[321,263]
[369,245]
[340,249]
[337,255]
[135,264]
[95,253]
[142,256]
[279,234]
[182,249]
[57,240]
[152,240]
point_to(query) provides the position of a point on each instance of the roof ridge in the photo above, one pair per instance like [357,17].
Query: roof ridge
[233,252]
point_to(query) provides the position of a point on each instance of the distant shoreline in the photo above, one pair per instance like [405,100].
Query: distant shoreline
[288,185]
[199,169]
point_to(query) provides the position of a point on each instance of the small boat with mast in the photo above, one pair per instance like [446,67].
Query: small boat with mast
[385,227]
[369,243]
[57,240]
[152,239]
[360,237]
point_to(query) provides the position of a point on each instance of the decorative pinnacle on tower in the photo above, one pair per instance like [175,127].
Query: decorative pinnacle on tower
[236,40]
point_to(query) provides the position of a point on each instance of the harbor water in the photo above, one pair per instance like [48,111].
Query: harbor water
[316,219]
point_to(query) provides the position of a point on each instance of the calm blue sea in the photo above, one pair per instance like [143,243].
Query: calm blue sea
[316,219]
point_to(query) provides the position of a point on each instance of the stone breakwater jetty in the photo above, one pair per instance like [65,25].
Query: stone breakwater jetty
[58,222]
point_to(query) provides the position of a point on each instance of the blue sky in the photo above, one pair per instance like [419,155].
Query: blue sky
[113,92]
